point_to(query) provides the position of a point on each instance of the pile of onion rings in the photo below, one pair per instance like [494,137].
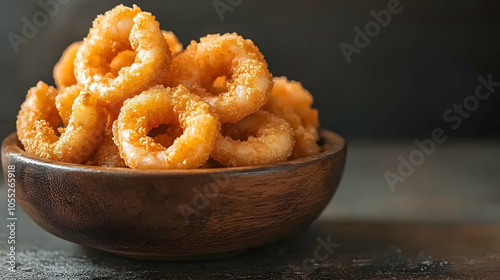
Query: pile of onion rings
[129,95]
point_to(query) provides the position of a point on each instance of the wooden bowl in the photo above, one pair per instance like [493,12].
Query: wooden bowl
[175,214]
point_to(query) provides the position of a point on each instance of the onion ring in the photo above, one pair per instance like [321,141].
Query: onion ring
[294,95]
[107,153]
[260,138]
[123,59]
[173,42]
[36,119]
[167,139]
[249,82]
[64,102]
[121,29]
[126,58]
[64,75]
[305,140]
[156,106]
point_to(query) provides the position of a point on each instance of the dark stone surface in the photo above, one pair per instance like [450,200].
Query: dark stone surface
[361,250]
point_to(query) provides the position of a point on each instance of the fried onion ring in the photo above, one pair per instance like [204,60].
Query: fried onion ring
[36,119]
[118,30]
[294,95]
[107,153]
[126,58]
[260,138]
[65,100]
[173,42]
[167,139]
[249,82]
[123,59]
[305,140]
[64,75]
[156,106]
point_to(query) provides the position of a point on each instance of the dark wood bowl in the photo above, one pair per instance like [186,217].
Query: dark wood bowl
[175,214]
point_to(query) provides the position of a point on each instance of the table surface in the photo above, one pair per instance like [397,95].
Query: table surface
[443,222]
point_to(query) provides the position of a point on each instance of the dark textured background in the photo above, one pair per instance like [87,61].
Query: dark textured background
[424,61]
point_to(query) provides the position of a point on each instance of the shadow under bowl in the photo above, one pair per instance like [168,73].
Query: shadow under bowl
[175,214]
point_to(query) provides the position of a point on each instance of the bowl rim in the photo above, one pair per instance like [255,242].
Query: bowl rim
[333,145]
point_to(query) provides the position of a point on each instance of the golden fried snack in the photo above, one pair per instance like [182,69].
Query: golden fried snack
[173,42]
[126,58]
[37,119]
[64,102]
[118,30]
[305,141]
[219,85]
[123,59]
[249,82]
[294,95]
[64,75]
[116,111]
[167,139]
[107,153]
[260,138]
[160,105]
